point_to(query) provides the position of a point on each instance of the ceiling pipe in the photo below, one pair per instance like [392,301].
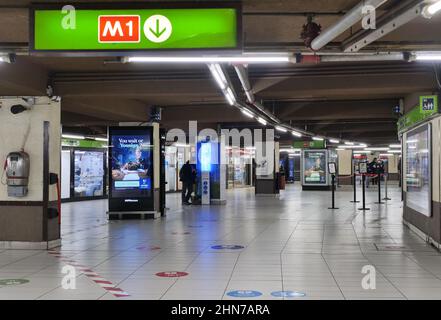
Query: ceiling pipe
[402,17]
[242,73]
[347,21]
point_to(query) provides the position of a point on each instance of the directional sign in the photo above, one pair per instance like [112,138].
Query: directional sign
[86,29]
[244,294]
[158,28]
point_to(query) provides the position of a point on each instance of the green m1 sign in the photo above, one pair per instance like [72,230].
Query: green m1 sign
[87,28]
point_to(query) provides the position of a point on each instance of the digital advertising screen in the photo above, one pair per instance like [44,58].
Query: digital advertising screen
[314,167]
[131,163]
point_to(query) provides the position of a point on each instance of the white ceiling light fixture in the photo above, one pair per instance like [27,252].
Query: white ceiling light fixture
[428,56]
[7,58]
[73,136]
[262,121]
[376,149]
[395,151]
[281,129]
[386,154]
[230,96]
[245,58]
[218,75]
[247,113]
[349,143]
[395,146]
[431,9]
[101,139]
[334,141]
[296,134]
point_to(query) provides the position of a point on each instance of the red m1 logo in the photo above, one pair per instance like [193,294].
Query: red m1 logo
[119,29]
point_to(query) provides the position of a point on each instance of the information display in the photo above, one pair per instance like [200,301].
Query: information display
[314,167]
[418,170]
[131,163]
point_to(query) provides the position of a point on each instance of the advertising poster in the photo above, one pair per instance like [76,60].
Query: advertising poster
[314,167]
[131,160]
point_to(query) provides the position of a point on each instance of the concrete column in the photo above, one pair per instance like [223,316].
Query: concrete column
[32,221]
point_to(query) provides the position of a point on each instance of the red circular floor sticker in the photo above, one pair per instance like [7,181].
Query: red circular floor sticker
[172,274]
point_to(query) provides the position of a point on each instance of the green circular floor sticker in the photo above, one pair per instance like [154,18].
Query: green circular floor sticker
[12,282]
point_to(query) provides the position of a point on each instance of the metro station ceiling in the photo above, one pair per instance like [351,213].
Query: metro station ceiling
[352,100]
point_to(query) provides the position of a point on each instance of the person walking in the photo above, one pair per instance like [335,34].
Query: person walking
[186,175]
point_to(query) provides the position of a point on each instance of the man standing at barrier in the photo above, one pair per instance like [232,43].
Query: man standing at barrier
[187,176]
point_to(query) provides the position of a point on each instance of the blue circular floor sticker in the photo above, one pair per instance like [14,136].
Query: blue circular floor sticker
[288,294]
[227,247]
[244,294]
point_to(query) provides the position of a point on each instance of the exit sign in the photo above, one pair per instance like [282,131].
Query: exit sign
[121,29]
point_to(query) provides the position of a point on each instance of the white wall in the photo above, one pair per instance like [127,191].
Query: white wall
[12,132]
[344,162]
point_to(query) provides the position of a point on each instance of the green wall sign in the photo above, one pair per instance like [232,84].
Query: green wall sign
[309,144]
[83,143]
[428,107]
[126,28]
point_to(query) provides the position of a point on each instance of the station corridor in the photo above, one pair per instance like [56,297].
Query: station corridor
[291,243]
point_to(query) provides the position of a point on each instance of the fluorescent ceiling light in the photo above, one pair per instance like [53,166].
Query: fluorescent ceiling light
[213,59]
[317,139]
[101,139]
[394,151]
[73,136]
[434,8]
[340,149]
[262,121]
[395,146]
[281,129]
[5,58]
[247,113]
[296,134]
[428,56]
[349,143]
[376,149]
[362,146]
[334,141]
[218,75]
[386,154]
[362,152]
[230,96]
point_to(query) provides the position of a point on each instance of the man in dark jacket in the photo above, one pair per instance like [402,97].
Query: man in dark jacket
[187,176]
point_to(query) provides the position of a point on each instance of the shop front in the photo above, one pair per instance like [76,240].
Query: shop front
[83,170]
[420,130]
[239,167]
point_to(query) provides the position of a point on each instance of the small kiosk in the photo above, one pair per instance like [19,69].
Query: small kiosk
[420,130]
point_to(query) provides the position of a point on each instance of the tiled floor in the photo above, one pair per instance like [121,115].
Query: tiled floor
[291,243]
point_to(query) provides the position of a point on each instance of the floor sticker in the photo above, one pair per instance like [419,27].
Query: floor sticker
[244,294]
[172,274]
[227,247]
[95,277]
[288,294]
[12,282]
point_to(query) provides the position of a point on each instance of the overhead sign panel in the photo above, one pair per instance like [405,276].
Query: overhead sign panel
[118,29]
